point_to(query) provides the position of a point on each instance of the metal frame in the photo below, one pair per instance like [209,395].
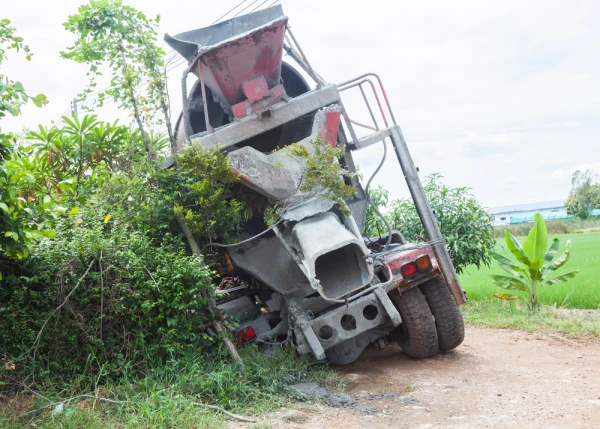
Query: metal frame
[411,176]
[279,114]
[325,95]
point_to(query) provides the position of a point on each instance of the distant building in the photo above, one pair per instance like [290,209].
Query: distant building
[523,213]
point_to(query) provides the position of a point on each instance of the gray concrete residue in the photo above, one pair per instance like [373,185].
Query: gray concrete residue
[409,401]
[339,400]
[314,391]
[381,396]
[365,409]
[310,390]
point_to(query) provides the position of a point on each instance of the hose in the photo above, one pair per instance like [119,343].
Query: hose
[239,243]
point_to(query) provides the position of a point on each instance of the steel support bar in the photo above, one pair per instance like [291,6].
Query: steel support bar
[279,114]
[385,300]
[426,214]
[372,139]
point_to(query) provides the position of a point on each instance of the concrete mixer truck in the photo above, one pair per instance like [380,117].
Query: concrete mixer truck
[313,280]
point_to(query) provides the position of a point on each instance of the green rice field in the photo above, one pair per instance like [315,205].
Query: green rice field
[581,292]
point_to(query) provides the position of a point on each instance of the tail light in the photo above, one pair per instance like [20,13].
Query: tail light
[423,263]
[246,335]
[408,270]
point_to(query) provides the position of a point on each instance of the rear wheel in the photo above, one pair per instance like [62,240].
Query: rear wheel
[448,317]
[416,335]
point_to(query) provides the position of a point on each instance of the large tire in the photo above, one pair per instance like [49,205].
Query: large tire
[416,335]
[448,317]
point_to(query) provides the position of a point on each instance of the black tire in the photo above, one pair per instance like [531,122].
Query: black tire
[448,317]
[416,335]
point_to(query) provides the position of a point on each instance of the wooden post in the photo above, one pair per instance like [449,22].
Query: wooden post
[211,301]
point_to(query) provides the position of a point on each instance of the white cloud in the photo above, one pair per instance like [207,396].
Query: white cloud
[485,91]
[568,172]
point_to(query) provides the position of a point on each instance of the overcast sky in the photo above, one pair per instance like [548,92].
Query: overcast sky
[503,97]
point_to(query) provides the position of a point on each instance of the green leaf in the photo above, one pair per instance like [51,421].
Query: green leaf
[551,252]
[515,248]
[4,207]
[506,296]
[48,233]
[562,279]
[536,242]
[28,178]
[74,211]
[559,262]
[506,264]
[507,282]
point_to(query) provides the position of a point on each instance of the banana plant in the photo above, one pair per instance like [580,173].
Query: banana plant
[534,264]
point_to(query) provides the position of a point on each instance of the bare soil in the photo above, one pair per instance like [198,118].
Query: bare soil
[495,379]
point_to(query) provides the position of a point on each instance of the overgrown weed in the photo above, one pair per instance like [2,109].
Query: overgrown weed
[167,395]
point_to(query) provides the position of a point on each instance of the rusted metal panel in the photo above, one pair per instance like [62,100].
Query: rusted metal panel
[236,50]
[330,127]
[395,260]
[255,89]
[246,108]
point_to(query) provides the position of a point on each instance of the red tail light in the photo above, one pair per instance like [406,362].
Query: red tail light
[408,270]
[246,335]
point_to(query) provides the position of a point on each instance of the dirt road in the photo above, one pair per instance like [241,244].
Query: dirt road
[496,379]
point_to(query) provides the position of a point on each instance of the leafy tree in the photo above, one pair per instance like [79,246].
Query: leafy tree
[76,159]
[21,213]
[534,263]
[584,196]
[464,223]
[374,226]
[110,33]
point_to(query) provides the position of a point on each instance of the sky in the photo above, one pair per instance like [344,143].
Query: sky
[501,97]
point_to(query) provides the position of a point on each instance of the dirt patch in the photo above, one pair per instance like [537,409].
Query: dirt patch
[496,379]
[579,312]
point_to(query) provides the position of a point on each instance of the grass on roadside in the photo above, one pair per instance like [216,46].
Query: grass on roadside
[514,315]
[168,394]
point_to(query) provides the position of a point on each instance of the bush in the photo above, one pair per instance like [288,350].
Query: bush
[139,295]
[464,223]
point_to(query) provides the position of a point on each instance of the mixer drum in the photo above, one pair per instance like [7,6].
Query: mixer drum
[294,131]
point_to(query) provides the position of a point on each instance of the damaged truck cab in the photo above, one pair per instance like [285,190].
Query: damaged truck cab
[313,280]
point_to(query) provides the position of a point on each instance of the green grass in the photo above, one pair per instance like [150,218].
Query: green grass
[165,397]
[581,292]
[513,315]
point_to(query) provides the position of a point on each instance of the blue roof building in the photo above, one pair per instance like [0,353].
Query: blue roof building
[522,213]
